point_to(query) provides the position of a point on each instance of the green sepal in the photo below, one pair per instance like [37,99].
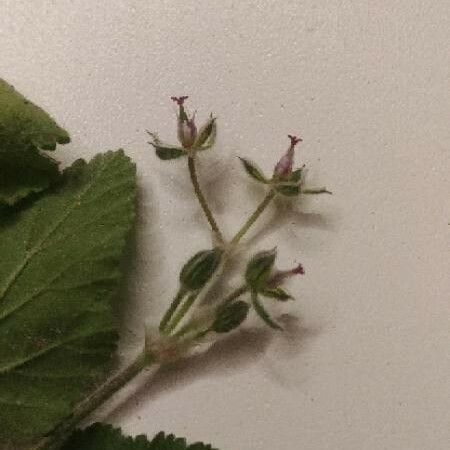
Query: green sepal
[288,190]
[259,269]
[291,185]
[296,175]
[183,116]
[206,135]
[200,268]
[315,191]
[229,316]
[262,313]
[166,153]
[254,171]
[277,293]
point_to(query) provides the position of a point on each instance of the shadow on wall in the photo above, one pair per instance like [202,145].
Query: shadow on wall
[224,357]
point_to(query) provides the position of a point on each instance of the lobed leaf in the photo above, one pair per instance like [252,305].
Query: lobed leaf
[24,123]
[59,272]
[105,437]
[25,129]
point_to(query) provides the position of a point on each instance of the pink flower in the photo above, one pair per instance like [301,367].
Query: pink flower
[284,166]
[187,130]
[281,275]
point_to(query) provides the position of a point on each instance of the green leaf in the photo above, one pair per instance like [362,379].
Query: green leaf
[253,170]
[25,172]
[262,313]
[23,123]
[105,437]
[277,293]
[59,272]
[24,130]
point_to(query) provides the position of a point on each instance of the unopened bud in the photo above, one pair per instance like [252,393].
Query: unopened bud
[259,269]
[284,166]
[200,268]
[229,316]
[282,275]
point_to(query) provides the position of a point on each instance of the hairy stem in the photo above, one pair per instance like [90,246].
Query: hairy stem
[195,324]
[252,219]
[202,200]
[184,308]
[239,235]
[171,310]
[55,439]
[235,294]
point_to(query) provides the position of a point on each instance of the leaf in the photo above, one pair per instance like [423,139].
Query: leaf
[262,313]
[59,272]
[25,123]
[253,170]
[105,437]
[23,173]
[24,130]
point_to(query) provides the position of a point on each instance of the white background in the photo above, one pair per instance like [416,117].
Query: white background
[366,84]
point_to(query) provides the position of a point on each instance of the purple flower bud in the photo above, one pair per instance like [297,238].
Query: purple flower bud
[281,275]
[284,166]
[187,130]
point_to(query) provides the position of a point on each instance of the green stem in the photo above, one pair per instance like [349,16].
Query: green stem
[54,440]
[172,308]
[194,325]
[235,294]
[184,308]
[252,219]
[202,200]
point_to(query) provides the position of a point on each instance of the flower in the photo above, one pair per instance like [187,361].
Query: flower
[282,275]
[284,166]
[187,130]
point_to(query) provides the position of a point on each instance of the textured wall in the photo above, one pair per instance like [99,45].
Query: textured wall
[366,84]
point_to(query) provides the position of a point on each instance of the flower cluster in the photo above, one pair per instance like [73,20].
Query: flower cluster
[261,279]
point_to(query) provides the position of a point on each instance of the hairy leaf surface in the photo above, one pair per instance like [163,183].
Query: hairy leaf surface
[59,270]
[105,437]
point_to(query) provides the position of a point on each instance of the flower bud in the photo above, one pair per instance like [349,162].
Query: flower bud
[187,130]
[200,268]
[282,275]
[259,269]
[284,166]
[229,316]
